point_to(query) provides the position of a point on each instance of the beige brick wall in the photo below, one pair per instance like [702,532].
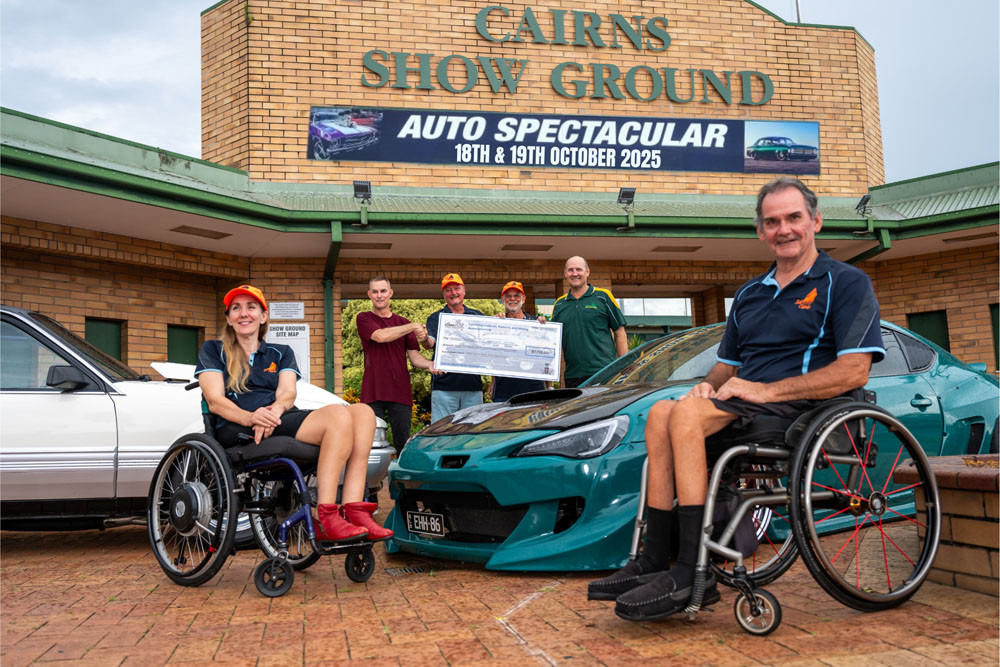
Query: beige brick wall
[301,54]
[962,282]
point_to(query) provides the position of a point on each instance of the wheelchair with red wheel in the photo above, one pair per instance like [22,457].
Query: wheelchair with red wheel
[845,485]
[200,489]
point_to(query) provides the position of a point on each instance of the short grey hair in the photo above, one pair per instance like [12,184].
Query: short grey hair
[783,183]
[379,278]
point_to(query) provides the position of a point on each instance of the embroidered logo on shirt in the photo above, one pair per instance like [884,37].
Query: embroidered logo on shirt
[273,368]
[807,302]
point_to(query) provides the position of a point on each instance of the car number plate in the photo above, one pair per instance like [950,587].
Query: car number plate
[425,523]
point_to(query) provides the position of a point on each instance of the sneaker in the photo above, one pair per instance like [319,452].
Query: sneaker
[622,581]
[660,598]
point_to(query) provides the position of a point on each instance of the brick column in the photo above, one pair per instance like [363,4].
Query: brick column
[708,306]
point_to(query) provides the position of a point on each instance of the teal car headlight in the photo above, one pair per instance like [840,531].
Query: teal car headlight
[583,442]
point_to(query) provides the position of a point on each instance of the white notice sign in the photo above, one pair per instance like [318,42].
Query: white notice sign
[286,310]
[296,336]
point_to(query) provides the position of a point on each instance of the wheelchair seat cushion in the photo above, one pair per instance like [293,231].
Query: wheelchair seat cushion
[274,447]
[761,430]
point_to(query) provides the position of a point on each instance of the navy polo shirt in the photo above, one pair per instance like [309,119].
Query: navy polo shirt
[452,381]
[774,333]
[269,361]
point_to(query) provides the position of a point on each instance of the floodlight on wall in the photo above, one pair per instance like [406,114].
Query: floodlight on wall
[363,191]
[862,207]
[626,197]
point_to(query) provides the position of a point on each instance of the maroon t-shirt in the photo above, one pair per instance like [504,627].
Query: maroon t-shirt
[387,377]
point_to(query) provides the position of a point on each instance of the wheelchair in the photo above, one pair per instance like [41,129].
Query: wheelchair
[200,489]
[820,486]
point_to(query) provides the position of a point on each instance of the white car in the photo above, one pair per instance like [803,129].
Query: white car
[81,433]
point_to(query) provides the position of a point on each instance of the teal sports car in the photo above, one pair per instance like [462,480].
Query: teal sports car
[550,480]
[781,148]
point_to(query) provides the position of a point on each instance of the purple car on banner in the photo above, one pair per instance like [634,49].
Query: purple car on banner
[332,131]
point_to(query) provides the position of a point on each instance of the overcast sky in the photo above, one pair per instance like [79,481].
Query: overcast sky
[132,70]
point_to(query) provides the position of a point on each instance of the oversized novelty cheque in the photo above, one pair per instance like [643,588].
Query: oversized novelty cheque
[498,346]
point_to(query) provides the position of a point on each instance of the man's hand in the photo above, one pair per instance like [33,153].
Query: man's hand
[541,319]
[700,390]
[420,331]
[754,392]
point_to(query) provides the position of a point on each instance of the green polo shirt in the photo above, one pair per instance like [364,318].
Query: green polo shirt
[588,344]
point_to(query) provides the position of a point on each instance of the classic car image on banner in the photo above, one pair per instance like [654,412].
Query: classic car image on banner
[782,147]
[546,140]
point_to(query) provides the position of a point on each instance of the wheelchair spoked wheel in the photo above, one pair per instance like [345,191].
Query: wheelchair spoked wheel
[273,577]
[360,564]
[867,540]
[191,514]
[774,554]
[280,497]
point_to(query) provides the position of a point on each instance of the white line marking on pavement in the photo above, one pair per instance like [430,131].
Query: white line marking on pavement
[502,620]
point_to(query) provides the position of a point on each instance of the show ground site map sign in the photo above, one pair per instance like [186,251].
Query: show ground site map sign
[498,346]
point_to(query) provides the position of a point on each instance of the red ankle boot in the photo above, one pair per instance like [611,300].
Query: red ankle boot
[331,527]
[360,514]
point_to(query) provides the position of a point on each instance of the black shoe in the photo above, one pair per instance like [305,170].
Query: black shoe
[660,598]
[622,581]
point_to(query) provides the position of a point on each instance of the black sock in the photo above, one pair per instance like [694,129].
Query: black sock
[656,552]
[689,520]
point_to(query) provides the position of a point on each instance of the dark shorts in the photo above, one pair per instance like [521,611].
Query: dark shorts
[291,420]
[746,411]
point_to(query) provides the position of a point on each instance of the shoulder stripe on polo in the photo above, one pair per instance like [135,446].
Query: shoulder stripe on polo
[728,362]
[561,298]
[822,327]
[609,294]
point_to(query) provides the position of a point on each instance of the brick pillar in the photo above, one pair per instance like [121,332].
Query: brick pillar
[338,348]
[708,306]
[529,299]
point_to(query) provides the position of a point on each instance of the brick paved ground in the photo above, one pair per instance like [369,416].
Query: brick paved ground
[100,598]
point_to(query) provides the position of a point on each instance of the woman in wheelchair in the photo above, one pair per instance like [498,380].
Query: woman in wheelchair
[249,386]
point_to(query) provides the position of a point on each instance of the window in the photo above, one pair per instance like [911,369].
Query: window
[105,335]
[182,344]
[26,362]
[894,362]
[931,325]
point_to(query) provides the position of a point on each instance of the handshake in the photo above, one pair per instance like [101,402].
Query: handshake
[419,330]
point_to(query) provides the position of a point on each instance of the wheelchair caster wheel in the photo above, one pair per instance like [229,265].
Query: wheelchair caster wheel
[273,577]
[359,565]
[762,617]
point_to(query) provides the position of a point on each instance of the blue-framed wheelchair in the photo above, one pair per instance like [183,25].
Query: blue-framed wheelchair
[200,489]
[821,486]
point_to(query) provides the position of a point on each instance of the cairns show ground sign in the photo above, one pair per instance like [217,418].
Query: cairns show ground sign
[563,141]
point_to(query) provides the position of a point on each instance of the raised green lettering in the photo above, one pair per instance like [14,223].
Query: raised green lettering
[503,66]
[579,86]
[656,82]
[423,68]
[582,30]
[634,34]
[483,15]
[746,83]
[559,26]
[368,60]
[602,81]
[723,89]
[658,33]
[668,79]
[530,23]
[471,73]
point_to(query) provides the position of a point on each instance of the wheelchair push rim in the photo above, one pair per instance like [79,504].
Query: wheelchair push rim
[190,513]
[889,530]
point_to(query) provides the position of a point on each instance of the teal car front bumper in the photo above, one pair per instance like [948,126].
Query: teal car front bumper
[548,513]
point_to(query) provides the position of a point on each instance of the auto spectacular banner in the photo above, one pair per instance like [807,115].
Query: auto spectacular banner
[549,140]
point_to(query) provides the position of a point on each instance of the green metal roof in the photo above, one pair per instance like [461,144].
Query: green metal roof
[953,192]
[45,151]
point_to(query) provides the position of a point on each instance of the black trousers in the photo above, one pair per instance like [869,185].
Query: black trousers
[398,416]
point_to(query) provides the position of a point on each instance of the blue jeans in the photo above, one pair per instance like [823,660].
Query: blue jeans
[444,403]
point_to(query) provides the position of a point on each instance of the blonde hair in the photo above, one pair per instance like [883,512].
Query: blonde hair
[237,362]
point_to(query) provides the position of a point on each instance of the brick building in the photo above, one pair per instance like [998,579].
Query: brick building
[299,101]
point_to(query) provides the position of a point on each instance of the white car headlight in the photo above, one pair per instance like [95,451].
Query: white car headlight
[583,442]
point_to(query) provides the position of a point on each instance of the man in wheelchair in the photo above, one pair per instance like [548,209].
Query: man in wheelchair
[805,331]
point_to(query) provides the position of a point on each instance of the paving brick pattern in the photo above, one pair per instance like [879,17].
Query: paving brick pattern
[99,598]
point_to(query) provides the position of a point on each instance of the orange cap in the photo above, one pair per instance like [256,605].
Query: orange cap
[249,290]
[513,284]
[451,279]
